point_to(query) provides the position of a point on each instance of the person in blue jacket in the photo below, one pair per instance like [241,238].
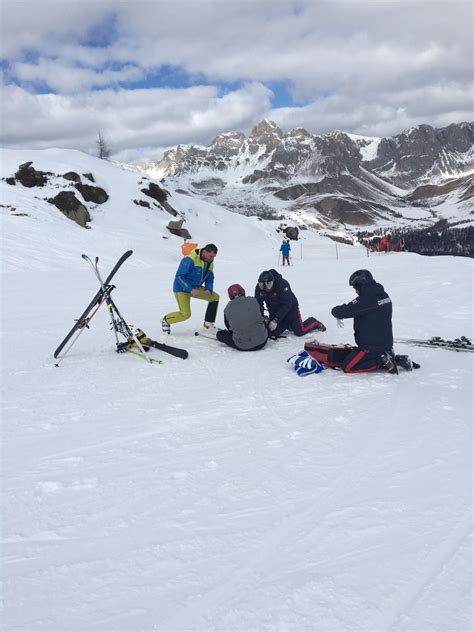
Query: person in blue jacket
[285,251]
[194,278]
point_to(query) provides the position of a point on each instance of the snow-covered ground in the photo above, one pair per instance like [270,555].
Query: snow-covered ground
[223,493]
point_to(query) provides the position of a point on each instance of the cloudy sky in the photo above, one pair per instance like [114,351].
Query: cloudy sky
[151,74]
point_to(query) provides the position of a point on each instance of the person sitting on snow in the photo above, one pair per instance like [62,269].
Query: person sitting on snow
[246,329]
[273,292]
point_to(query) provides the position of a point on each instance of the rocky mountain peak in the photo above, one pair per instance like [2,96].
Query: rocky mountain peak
[298,133]
[334,171]
[419,153]
[266,128]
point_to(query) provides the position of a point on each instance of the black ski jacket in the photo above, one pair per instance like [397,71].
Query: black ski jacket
[372,314]
[280,301]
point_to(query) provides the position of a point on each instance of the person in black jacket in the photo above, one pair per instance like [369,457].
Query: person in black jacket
[273,292]
[372,314]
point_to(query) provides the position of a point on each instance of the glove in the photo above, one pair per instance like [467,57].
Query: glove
[297,357]
[208,292]
[272,325]
[340,322]
[307,366]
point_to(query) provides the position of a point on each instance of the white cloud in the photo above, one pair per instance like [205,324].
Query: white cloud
[128,118]
[65,78]
[362,66]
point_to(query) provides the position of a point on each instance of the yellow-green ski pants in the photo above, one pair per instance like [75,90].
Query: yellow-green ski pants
[184,304]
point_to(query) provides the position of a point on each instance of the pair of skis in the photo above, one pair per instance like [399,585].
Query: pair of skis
[137,345]
[458,344]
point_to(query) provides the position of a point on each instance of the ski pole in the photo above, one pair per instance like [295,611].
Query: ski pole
[85,325]
[197,333]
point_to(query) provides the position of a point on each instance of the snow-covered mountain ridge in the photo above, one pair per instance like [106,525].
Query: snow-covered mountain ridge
[332,179]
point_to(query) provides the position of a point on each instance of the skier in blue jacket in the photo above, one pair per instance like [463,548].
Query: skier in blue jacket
[285,251]
[194,278]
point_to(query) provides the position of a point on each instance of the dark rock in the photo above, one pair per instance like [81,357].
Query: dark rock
[89,177]
[73,176]
[92,194]
[291,232]
[67,203]
[169,209]
[176,228]
[142,203]
[29,177]
[11,180]
[156,192]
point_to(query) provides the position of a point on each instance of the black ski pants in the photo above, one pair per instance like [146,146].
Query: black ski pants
[226,337]
[362,361]
[294,323]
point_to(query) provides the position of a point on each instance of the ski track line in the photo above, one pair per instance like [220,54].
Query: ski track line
[119,441]
[289,529]
[424,577]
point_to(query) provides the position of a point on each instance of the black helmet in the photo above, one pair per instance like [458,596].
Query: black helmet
[360,277]
[265,280]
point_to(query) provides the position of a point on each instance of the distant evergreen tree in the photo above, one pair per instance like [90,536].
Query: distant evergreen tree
[439,239]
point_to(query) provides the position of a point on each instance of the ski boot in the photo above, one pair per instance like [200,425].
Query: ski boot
[388,362]
[320,326]
[404,361]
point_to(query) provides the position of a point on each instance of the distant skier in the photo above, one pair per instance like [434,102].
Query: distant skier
[372,314]
[285,251]
[246,329]
[194,278]
[274,293]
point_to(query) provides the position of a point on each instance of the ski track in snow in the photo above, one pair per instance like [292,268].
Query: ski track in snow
[223,492]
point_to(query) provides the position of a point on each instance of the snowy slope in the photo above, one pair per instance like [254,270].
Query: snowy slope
[223,492]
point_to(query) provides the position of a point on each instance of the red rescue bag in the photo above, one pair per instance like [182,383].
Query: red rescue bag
[330,356]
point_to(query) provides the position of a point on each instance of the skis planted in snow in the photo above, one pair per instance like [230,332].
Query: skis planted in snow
[458,344]
[83,321]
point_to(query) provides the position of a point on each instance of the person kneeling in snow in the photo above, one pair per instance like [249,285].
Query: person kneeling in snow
[246,330]
[372,314]
[274,292]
